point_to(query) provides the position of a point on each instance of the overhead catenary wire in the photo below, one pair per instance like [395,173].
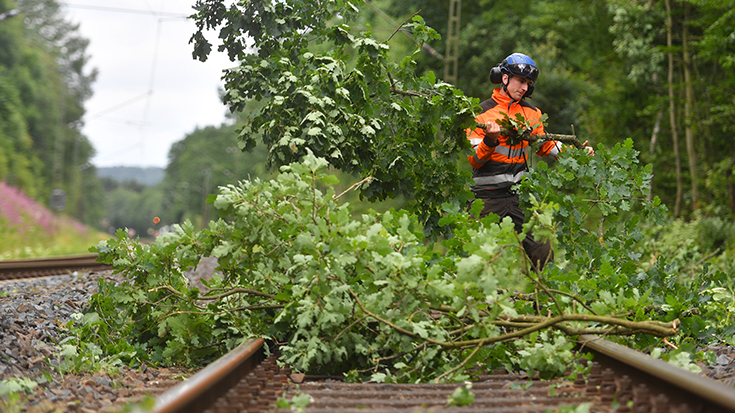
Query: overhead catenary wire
[151,83]
[124,10]
[146,96]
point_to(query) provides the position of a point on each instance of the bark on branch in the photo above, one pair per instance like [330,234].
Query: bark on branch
[567,139]
[528,324]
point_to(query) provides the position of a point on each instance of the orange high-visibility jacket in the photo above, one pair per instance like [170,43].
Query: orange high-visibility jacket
[497,167]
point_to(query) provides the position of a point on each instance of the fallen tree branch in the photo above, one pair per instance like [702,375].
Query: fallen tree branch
[530,324]
[568,139]
[243,308]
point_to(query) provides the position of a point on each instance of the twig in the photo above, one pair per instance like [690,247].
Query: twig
[235,291]
[402,24]
[539,323]
[395,356]
[461,365]
[353,186]
[248,307]
[700,262]
[575,298]
[165,287]
[348,327]
[408,92]
[670,345]
[538,283]
[601,230]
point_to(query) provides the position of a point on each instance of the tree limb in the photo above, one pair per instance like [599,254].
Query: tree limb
[568,139]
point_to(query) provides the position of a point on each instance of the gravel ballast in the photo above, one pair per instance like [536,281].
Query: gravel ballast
[31,313]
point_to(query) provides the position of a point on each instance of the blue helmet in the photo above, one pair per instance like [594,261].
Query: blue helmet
[520,65]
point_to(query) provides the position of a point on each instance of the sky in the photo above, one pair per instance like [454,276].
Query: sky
[149,91]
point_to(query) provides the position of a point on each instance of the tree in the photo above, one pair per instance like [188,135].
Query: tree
[714,82]
[19,165]
[373,119]
[56,96]
[672,112]
[696,77]
[43,63]
[689,121]
[204,160]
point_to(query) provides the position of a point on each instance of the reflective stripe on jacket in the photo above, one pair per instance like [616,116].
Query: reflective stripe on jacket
[497,167]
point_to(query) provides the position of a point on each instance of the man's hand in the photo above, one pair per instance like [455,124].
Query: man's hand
[590,150]
[492,131]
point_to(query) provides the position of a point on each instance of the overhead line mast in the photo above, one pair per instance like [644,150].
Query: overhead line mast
[451,62]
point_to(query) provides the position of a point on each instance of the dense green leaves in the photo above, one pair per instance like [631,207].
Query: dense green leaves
[372,294]
[338,93]
[44,82]
[602,188]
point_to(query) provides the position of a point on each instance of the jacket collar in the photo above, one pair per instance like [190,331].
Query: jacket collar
[502,99]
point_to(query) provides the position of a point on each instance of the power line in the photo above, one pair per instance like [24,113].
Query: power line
[161,17]
[120,105]
[121,10]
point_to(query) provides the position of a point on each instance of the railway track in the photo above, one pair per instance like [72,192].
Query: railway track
[621,380]
[244,380]
[42,267]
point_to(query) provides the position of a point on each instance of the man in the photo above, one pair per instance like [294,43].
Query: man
[497,163]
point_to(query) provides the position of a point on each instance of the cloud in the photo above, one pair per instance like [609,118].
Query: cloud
[150,92]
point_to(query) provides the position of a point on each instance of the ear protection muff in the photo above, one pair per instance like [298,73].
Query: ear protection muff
[496,74]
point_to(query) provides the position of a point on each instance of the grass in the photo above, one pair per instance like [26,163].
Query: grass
[29,229]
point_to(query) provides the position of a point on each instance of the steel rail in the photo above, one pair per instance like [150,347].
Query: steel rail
[23,268]
[48,262]
[713,395]
[200,391]
[653,380]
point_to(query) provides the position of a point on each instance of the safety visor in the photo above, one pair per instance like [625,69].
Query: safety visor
[524,70]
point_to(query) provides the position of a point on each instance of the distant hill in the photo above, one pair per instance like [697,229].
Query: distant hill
[148,176]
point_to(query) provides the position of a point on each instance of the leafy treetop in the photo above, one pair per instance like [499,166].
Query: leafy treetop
[337,93]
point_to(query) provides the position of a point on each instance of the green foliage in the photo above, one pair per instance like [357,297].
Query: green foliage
[146,404]
[636,27]
[90,349]
[462,396]
[204,160]
[17,385]
[373,117]
[677,357]
[17,160]
[605,188]
[373,295]
[13,403]
[580,408]
[133,207]
[44,82]
[297,403]
[515,129]
[550,356]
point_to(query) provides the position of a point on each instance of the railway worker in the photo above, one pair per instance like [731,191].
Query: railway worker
[497,164]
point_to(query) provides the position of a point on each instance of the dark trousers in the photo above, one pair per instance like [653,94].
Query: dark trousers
[539,252]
